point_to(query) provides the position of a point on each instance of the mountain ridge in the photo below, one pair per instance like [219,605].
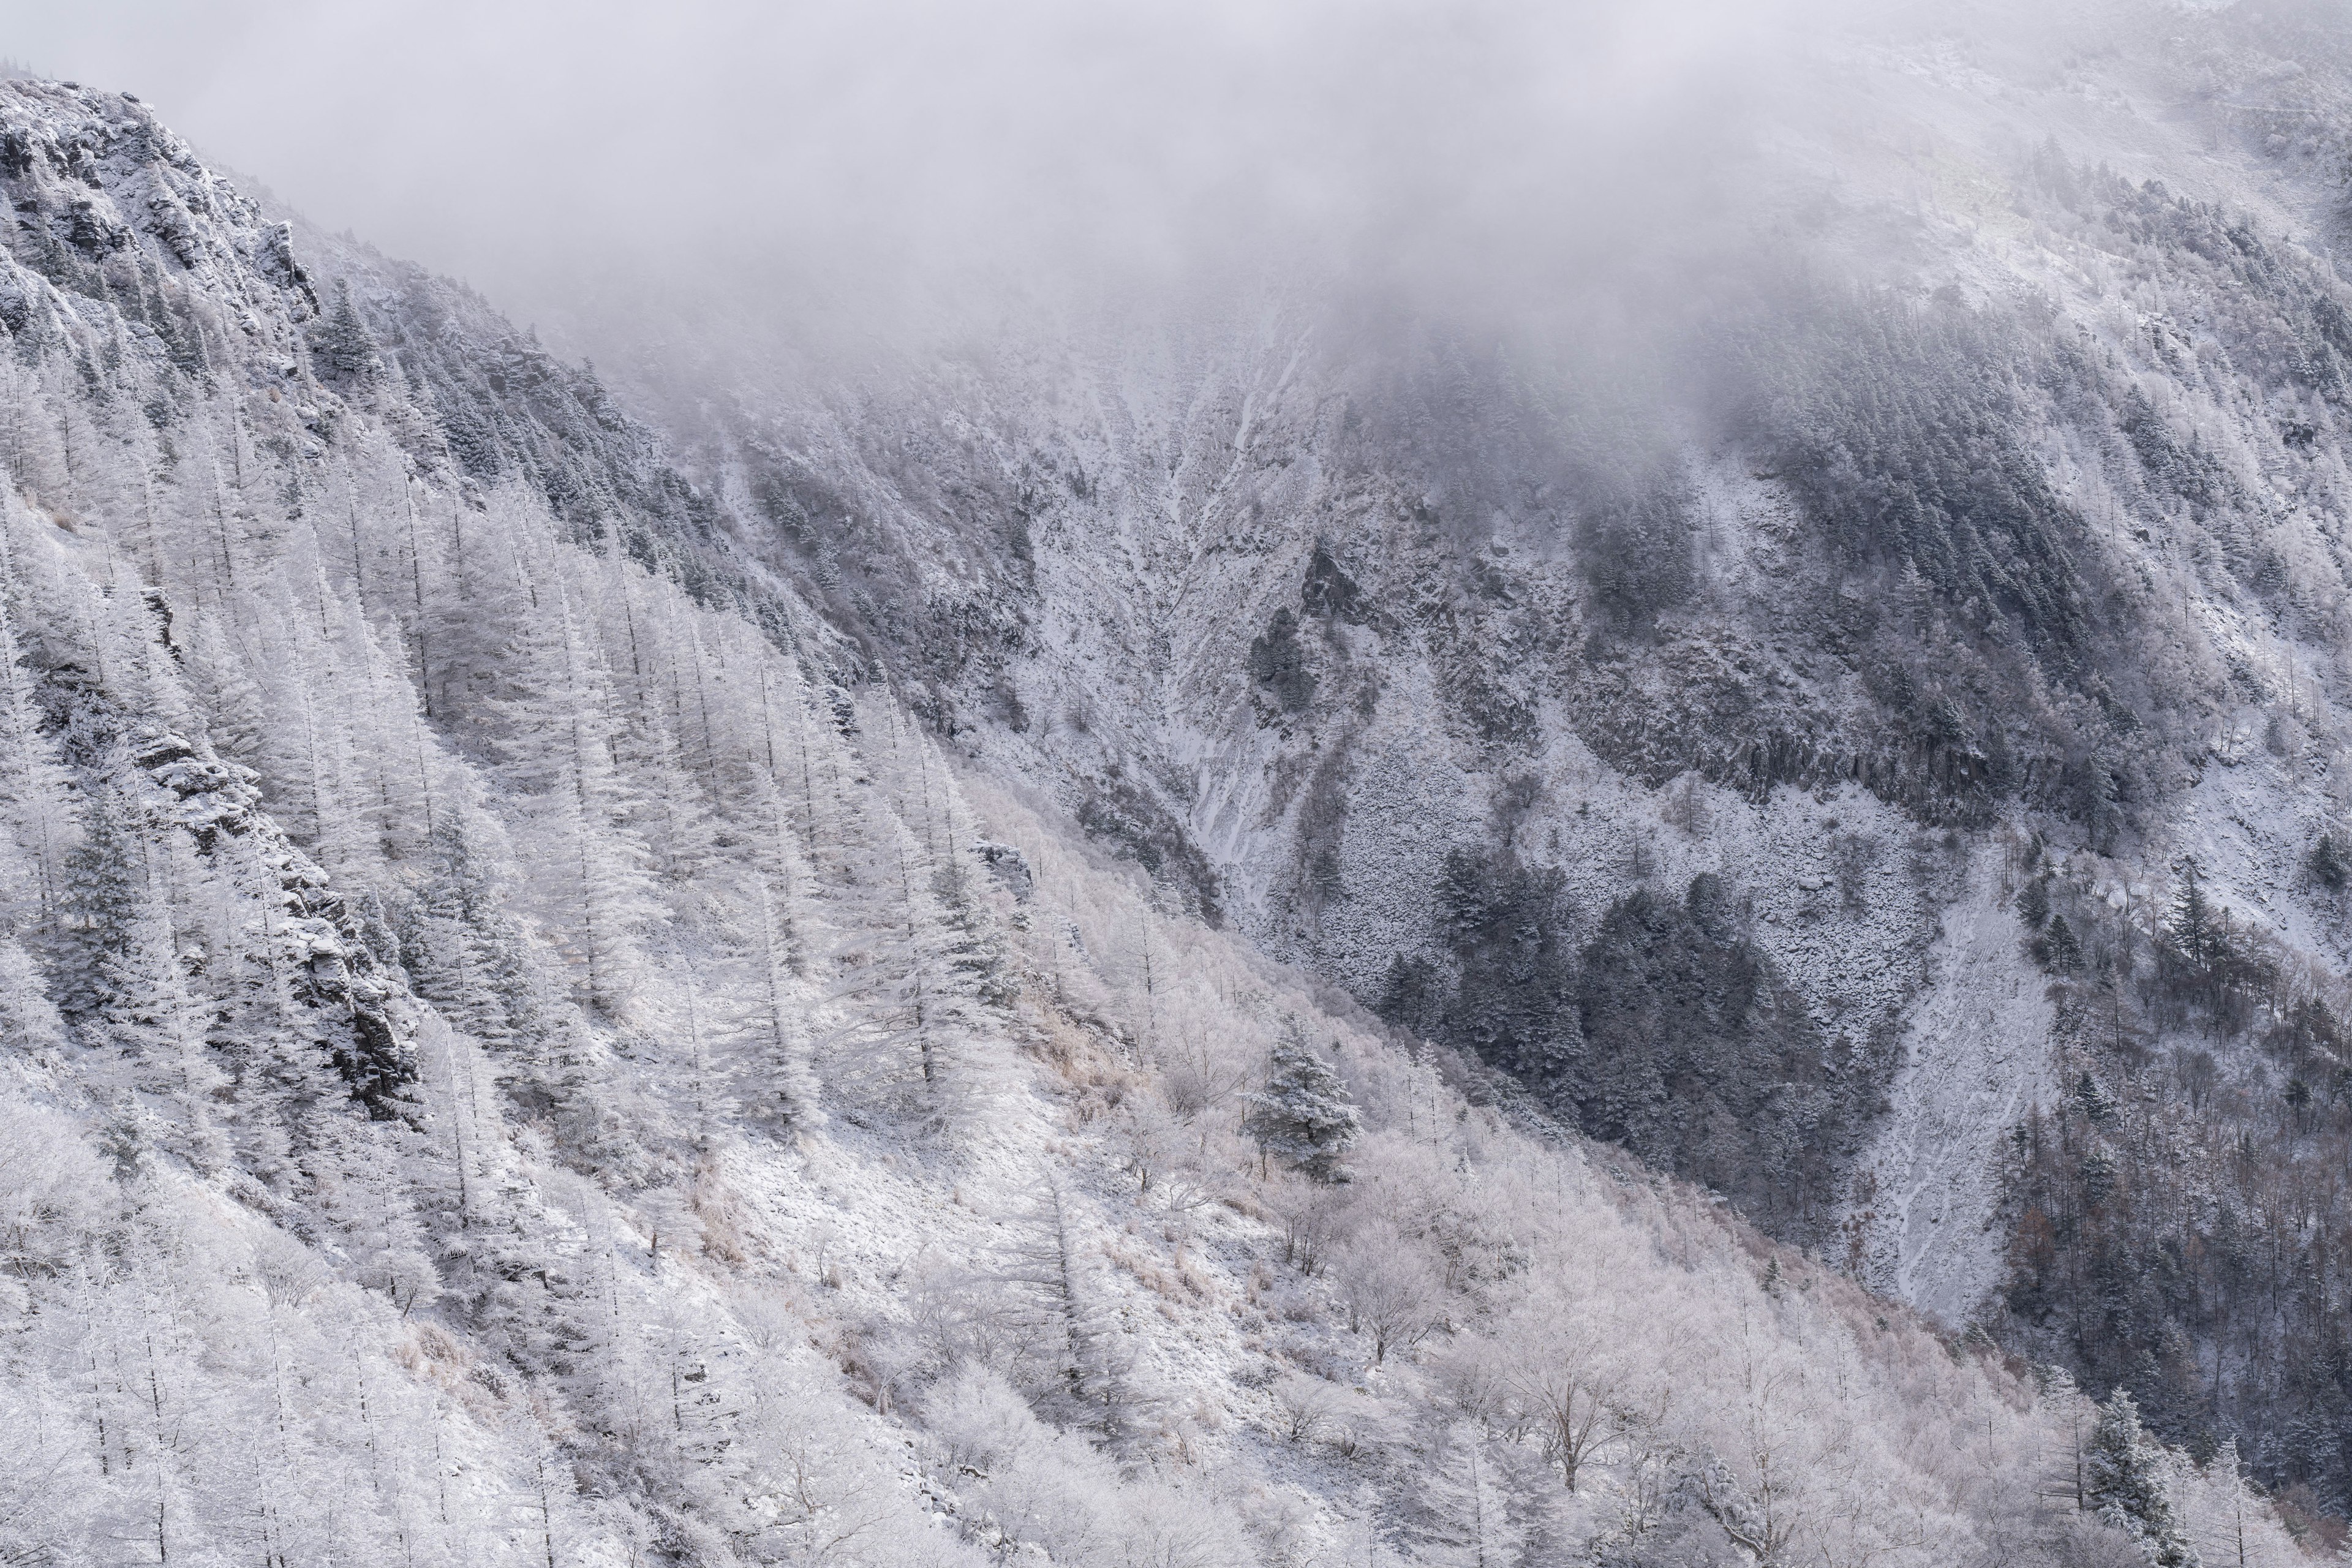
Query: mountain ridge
[795,1145]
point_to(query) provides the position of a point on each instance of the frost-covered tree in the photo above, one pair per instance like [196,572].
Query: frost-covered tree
[464,949]
[2124,1481]
[587,862]
[776,1020]
[29,1020]
[1084,1372]
[1462,1502]
[150,1016]
[1393,1297]
[341,344]
[35,800]
[1303,1116]
[908,972]
[105,888]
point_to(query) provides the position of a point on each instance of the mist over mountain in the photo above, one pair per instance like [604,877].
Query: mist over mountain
[1486,785]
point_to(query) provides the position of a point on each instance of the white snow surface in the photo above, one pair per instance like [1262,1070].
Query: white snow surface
[1976,1059]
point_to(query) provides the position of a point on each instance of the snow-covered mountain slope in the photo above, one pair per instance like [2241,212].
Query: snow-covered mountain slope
[1712,745]
[507,1056]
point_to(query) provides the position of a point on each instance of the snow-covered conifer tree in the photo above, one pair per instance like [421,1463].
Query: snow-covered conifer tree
[467,952]
[341,345]
[105,887]
[29,1020]
[1461,1502]
[2123,1482]
[776,1023]
[907,969]
[1303,1116]
[1083,1374]
[586,863]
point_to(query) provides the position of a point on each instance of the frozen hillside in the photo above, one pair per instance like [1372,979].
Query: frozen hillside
[519,1043]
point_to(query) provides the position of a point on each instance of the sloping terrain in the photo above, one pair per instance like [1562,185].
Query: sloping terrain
[519,1046]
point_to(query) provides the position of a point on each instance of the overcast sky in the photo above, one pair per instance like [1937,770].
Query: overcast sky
[518,143]
[623,164]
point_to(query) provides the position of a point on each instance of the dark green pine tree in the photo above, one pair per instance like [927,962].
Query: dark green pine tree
[2061,950]
[2329,866]
[1303,1116]
[2033,903]
[2191,925]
